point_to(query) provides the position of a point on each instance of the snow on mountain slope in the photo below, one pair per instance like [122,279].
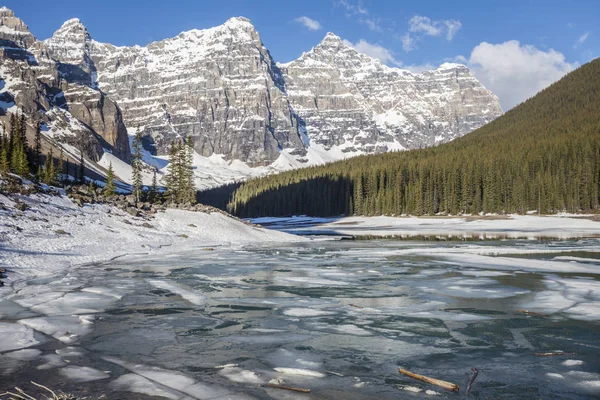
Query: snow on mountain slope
[247,115]
[222,87]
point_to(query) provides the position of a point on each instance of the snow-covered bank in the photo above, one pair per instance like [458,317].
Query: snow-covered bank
[560,226]
[53,233]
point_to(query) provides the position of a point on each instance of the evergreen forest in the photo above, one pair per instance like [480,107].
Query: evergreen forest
[542,155]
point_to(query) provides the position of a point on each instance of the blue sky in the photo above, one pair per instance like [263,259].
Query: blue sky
[514,47]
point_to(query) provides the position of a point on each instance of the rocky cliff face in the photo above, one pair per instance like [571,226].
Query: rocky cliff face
[222,87]
[71,111]
[351,100]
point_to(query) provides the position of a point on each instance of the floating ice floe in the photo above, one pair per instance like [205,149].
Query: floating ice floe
[83,374]
[186,293]
[305,312]
[16,336]
[300,372]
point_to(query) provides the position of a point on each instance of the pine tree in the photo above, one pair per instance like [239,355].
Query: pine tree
[23,132]
[81,177]
[13,133]
[4,162]
[188,172]
[18,162]
[172,177]
[152,195]
[109,187]
[49,174]
[61,167]
[136,162]
[37,147]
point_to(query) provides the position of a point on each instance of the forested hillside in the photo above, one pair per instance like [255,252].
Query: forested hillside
[542,155]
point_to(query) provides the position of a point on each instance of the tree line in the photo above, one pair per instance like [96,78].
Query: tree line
[17,156]
[543,155]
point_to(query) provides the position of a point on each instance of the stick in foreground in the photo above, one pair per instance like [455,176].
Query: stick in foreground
[437,382]
[294,389]
[471,380]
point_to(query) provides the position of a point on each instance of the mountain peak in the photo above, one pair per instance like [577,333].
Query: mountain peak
[73,26]
[72,22]
[449,65]
[331,38]
[239,22]
[6,12]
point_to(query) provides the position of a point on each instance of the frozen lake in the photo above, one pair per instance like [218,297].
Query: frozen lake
[338,317]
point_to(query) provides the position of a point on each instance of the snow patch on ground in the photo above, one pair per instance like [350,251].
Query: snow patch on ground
[54,234]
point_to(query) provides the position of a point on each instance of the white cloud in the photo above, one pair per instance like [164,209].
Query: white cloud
[309,23]
[420,24]
[408,43]
[515,72]
[351,8]
[581,39]
[373,25]
[429,27]
[452,26]
[376,51]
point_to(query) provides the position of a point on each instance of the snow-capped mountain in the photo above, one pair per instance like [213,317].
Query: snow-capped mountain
[72,113]
[247,114]
[351,100]
[222,87]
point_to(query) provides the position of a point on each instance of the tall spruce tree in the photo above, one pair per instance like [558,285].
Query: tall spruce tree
[36,160]
[189,195]
[109,187]
[136,163]
[153,193]
[49,172]
[172,177]
[61,167]
[81,175]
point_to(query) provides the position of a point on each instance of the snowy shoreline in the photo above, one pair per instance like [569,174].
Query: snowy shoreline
[558,226]
[53,234]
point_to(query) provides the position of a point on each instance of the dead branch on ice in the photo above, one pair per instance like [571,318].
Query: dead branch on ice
[446,385]
[471,380]
[294,389]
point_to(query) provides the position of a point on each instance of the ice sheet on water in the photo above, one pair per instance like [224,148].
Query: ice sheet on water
[345,329]
[69,351]
[178,381]
[308,281]
[481,287]
[75,303]
[52,361]
[295,359]
[116,293]
[24,355]
[572,363]
[66,328]
[138,384]
[15,336]
[306,312]
[300,372]
[11,310]
[81,374]
[240,375]
[516,264]
[267,339]
[186,293]
[589,311]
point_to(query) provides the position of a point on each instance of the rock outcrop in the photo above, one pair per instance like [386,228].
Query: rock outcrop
[221,87]
[72,111]
[351,100]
